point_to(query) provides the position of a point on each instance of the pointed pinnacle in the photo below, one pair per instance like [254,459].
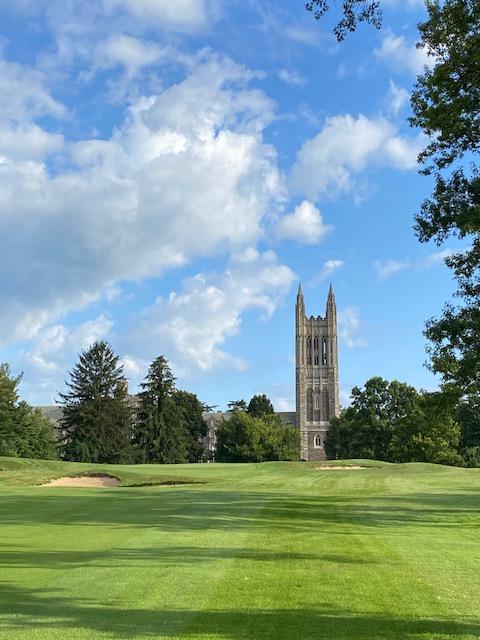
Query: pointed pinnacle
[300,292]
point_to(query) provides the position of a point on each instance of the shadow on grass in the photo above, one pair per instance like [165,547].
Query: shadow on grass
[157,556]
[184,509]
[42,612]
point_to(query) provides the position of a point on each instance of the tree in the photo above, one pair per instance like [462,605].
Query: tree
[353,13]
[446,106]
[244,438]
[428,434]
[36,436]
[468,417]
[97,413]
[392,421]
[196,427]
[161,435]
[8,400]
[260,406]
[24,431]
[237,405]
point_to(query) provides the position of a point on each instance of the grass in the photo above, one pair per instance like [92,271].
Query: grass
[268,551]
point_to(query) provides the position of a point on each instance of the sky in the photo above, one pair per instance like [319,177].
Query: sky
[170,171]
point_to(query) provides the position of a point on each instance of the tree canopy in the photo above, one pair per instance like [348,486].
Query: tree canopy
[392,421]
[353,12]
[97,413]
[259,406]
[244,438]
[446,106]
[24,431]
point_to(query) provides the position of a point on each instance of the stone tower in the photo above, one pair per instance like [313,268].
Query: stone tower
[316,374]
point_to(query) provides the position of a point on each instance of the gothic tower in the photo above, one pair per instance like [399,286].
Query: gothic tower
[316,374]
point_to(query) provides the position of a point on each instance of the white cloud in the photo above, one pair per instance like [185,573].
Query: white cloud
[184,15]
[55,346]
[398,98]
[348,327]
[438,257]
[24,94]
[399,55]
[129,52]
[186,175]
[386,268]
[191,326]
[292,78]
[346,146]
[305,224]
[328,268]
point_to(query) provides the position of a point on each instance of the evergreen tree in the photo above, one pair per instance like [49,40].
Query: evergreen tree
[237,405]
[36,436]
[260,406]
[97,413]
[8,401]
[196,427]
[160,435]
[24,431]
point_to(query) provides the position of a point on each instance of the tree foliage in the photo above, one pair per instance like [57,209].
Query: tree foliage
[259,406]
[244,438]
[97,413]
[237,405]
[192,415]
[24,431]
[161,433]
[353,13]
[446,106]
[391,421]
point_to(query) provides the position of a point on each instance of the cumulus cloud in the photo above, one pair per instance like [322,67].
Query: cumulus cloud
[399,55]
[56,345]
[191,326]
[187,174]
[305,224]
[131,53]
[348,328]
[346,146]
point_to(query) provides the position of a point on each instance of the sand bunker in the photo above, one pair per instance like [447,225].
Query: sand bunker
[84,481]
[331,467]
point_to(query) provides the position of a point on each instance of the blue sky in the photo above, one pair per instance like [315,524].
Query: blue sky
[169,171]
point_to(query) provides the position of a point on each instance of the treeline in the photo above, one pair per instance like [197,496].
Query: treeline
[253,433]
[24,431]
[102,423]
[392,421]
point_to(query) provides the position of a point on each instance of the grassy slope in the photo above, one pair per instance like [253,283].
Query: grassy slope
[278,550]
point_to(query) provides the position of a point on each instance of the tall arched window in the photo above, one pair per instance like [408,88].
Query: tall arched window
[317,441]
[309,350]
[316,401]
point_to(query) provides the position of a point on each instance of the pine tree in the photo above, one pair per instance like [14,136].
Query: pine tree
[160,435]
[259,406]
[24,431]
[8,401]
[97,413]
[196,427]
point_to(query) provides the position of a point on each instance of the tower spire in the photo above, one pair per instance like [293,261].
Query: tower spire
[331,305]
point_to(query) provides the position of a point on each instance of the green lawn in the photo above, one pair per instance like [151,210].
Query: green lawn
[275,550]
